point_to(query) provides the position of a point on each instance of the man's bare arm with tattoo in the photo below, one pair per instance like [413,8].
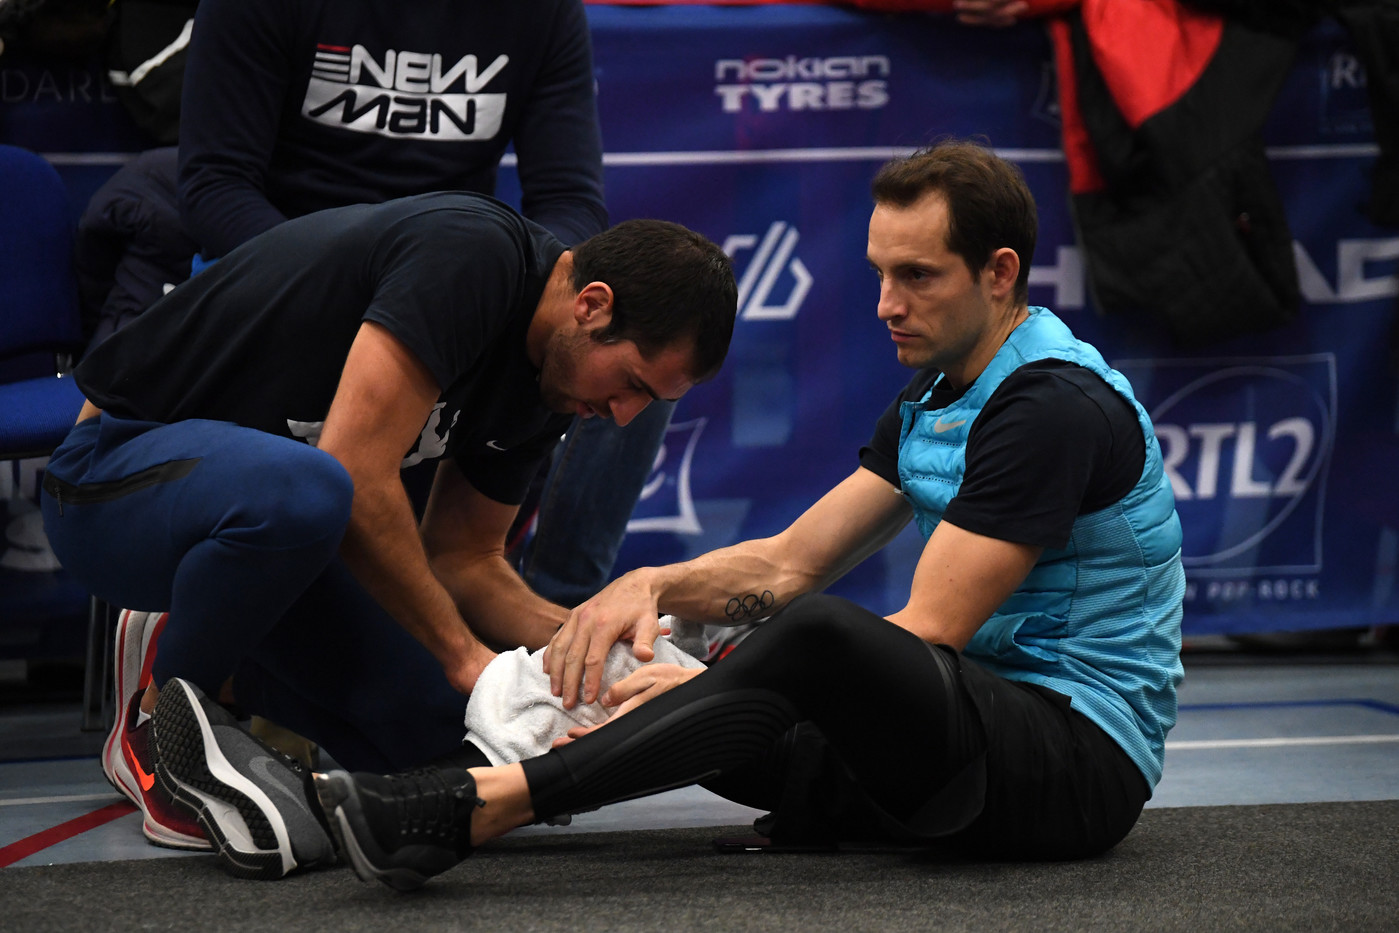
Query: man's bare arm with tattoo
[749,580]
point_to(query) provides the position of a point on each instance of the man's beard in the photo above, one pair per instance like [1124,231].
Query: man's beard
[559,371]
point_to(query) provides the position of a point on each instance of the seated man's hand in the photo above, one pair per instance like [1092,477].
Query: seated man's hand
[638,687]
[624,611]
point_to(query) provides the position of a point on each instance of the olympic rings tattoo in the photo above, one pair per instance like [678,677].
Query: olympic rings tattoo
[747,607]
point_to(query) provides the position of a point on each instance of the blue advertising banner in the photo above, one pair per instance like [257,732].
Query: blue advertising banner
[761,126]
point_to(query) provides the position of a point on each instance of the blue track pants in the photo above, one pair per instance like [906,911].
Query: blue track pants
[235,532]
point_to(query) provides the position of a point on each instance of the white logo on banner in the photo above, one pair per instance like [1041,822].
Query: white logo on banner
[1352,284]
[842,82]
[1067,277]
[772,258]
[1246,444]
[668,487]
[1365,271]
[1345,105]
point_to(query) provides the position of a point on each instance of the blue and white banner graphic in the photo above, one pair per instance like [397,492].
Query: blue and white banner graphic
[762,126]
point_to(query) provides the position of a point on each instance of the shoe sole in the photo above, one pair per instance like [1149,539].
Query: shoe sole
[341,806]
[246,831]
[133,627]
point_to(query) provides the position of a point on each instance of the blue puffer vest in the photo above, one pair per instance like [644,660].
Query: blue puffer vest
[1098,620]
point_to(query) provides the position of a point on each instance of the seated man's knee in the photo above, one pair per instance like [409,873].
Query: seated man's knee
[821,622]
[830,614]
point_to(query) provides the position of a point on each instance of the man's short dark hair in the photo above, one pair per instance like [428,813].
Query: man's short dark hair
[988,203]
[669,286]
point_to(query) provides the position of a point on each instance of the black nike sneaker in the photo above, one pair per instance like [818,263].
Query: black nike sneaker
[401,829]
[256,805]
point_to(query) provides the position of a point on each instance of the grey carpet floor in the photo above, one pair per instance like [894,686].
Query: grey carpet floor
[1332,866]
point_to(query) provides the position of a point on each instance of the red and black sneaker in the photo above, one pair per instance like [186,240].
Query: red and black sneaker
[163,823]
[126,757]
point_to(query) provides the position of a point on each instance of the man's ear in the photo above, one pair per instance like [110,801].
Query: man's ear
[1004,268]
[592,308]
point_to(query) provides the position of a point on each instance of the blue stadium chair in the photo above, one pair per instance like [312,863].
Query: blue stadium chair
[40,333]
[40,325]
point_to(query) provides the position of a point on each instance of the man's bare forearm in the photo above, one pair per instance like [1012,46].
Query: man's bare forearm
[383,550]
[498,606]
[750,580]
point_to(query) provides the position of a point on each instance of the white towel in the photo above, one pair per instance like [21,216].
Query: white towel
[511,714]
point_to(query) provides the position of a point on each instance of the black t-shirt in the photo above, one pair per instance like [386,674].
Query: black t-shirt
[260,337]
[1054,441]
[294,106]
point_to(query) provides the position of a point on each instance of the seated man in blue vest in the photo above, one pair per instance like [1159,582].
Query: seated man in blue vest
[1017,705]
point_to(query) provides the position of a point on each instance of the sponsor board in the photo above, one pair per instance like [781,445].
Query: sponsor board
[1247,445]
[802,83]
[771,260]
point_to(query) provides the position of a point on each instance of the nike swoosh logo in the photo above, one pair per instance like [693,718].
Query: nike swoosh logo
[940,426]
[262,768]
[147,780]
[494,446]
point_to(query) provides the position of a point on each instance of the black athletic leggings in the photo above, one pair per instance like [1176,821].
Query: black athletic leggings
[941,746]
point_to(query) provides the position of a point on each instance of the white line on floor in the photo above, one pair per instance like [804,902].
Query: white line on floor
[1178,745]
[73,798]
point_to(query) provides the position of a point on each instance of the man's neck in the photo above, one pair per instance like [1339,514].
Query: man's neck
[554,308]
[977,361]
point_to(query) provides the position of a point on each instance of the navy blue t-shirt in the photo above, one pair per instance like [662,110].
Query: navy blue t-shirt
[260,338]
